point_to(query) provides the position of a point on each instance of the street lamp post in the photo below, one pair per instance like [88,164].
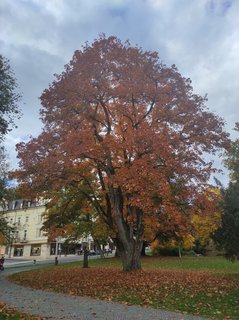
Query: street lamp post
[11,241]
[58,247]
[86,254]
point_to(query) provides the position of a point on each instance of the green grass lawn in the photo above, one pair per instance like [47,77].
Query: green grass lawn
[5,317]
[213,264]
[17,316]
[206,286]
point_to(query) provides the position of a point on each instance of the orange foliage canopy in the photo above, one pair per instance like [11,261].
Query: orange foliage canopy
[131,128]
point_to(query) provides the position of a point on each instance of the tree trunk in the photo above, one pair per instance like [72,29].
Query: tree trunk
[131,260]
[179,252]
[85,261]
[143,253]
[102,255]
[130,256]
[129,231]
[117,253]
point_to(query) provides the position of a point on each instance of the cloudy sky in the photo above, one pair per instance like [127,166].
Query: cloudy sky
[200,37]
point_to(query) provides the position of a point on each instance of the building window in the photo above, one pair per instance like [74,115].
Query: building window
[27,219]
[38,233]
[17,236]
[35,250]
[39,220]
[18,251]
[25,235]
[24,204]
[19,221]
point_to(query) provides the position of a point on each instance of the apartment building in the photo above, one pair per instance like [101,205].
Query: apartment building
[28,241]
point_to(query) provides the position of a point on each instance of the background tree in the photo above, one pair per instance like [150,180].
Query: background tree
[195,229]
[6,194]
[232,158]
[71,215]
[9,112]
[205,225]
[227,236]
[4,229]
[118,113]
[9,109]
[4,166]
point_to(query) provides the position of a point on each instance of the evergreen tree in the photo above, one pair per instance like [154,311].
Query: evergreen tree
[227,236]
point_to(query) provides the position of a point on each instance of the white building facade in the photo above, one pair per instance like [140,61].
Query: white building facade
[28,241]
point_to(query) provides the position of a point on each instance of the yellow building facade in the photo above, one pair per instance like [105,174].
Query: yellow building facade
[28,240]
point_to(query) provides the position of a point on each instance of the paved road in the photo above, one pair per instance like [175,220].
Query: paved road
[20,261]
[59,306]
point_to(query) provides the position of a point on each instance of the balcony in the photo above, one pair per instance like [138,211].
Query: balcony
[23,240]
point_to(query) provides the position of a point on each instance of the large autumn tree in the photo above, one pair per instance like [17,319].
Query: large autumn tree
[131,128]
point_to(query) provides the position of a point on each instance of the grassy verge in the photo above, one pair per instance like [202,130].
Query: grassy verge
[197,285]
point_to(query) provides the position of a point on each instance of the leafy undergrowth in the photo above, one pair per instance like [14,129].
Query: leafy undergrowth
[8,313]
[196,292]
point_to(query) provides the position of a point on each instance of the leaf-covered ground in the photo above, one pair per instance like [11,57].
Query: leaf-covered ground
[8,313]
[192,291]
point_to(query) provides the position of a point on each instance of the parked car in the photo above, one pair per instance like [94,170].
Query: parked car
[93,253]
[107,251]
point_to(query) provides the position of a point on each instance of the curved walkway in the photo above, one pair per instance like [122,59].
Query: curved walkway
[60,306]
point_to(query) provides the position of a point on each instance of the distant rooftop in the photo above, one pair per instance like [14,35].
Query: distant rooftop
[22,204]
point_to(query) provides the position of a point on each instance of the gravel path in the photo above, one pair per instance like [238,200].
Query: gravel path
[60,306]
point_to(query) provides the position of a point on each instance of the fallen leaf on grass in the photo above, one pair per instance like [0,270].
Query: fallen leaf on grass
[150,287]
